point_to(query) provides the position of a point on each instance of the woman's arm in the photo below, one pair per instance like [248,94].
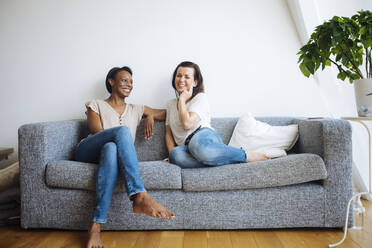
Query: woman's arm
[151,114]
[157,114]
[94,122]
[169,140]
[188,119]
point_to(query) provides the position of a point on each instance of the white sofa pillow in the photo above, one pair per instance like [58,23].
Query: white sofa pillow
[254,135]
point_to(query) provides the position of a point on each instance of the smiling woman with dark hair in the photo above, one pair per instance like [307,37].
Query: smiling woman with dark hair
[190,139]
[113,123]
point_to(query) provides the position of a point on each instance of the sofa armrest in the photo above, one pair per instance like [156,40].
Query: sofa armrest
[331,139]
[39,144]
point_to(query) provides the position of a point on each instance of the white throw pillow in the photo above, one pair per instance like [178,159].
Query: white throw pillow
[253,135]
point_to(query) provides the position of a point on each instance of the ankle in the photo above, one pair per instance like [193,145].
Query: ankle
[138,196]
[246,155]
[95,227]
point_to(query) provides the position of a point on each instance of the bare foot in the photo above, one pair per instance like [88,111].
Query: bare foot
[95,236]
[255,156]
[144,204]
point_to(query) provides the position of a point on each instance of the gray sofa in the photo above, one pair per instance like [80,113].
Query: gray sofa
[308,188]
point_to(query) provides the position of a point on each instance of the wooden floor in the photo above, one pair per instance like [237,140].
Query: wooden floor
[12,237]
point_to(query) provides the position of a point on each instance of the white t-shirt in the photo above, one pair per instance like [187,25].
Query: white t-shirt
[199,105]
[131,116]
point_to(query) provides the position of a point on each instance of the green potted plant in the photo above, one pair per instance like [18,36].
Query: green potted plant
[346,44]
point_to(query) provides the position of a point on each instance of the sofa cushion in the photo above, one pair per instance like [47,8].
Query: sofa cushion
[292,169]
[78,175]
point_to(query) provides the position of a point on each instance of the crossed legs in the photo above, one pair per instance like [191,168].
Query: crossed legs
[206,148]
[114,150]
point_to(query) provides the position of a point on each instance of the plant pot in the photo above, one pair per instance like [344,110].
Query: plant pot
[363,96]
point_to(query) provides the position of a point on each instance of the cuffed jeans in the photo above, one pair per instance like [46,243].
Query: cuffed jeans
[113,149]
[206,148]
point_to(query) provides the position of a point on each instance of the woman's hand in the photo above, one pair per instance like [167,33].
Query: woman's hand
[188,119]
[149,127]
[186,94]
[151,114]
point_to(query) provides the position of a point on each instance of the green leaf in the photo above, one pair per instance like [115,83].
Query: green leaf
[338,57]
[328,63]
[355,76]
[310,66]
[304,70]
[342,76]
[363,30]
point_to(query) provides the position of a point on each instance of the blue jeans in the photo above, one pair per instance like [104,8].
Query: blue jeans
[206,148]
[114,150]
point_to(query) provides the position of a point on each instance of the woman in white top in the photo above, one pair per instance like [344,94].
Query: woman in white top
[113,123]
[190,139]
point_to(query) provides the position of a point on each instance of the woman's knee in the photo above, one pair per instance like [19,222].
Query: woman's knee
[109,147]
[173,155]
[205,154]
[202,147]
[122,132]
[177,155]
[109,154]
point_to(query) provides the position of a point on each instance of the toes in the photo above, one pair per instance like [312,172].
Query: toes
[155,214]
[162,215]
[158,215]
[169,214]
[165,215]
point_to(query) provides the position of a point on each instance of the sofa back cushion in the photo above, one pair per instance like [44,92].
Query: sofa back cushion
[154,149]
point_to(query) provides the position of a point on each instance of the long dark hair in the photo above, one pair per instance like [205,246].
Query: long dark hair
[197,76]
[112,74]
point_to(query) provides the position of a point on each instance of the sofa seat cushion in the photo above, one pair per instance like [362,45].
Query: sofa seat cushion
[77,175]
[292,169]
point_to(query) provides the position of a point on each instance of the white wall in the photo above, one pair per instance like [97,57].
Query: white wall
[55,56]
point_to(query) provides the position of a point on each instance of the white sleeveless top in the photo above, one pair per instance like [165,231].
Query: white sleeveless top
[131,116]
